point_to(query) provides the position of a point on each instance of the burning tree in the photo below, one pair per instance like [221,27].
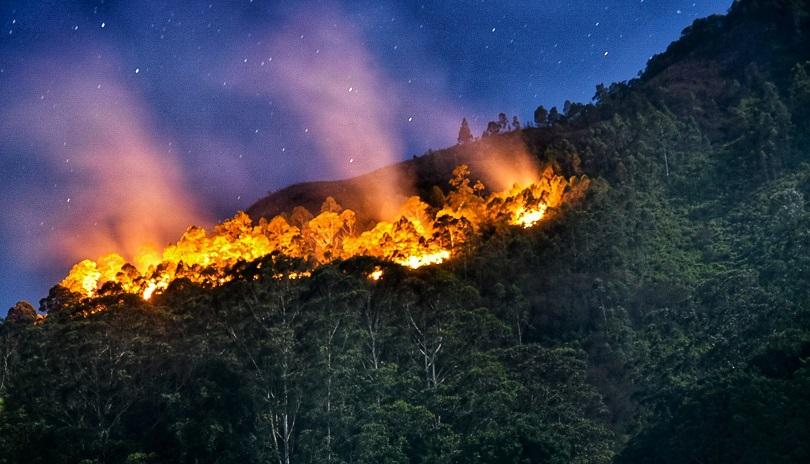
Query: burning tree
[417,236]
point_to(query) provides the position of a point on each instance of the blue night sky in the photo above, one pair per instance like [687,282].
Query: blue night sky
[125,121]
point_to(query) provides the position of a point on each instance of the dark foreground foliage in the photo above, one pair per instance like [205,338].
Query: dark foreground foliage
[411,368]
[665,319]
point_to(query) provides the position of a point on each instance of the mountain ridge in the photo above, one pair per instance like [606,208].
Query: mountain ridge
[665,318]
[686,62]
[416,176]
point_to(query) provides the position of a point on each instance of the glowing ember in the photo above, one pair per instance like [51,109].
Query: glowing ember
[418,236]
[159,283]
[292,275]
[528,217]
[150,289]
[417,261]
[376,274]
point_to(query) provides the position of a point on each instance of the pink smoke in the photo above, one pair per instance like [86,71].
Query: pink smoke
[119,188]
[319,66]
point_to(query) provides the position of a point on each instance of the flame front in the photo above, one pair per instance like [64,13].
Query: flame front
[417,261]
[420,236]
[376,274]
[528,217]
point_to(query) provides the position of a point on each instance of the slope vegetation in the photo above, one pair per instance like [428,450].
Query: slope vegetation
[665,318]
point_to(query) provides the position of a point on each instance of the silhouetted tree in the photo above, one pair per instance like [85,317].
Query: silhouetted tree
[572,109]
[601,93]
[541,116]
[503,122]
[554,116]
[515,123]
[22,312]
[567,107]
[493,128]
[464,134]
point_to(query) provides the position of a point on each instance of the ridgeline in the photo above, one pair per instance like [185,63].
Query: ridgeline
[664,318]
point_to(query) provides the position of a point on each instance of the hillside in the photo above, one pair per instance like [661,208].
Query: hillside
[663,318]
[417,176]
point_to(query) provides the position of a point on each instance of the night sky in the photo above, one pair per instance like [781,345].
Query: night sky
[124,122]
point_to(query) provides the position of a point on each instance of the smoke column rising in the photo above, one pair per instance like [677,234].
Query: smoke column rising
[117,188]
[320,68]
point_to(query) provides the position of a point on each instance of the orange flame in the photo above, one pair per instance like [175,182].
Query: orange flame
[420,236]
[376,274]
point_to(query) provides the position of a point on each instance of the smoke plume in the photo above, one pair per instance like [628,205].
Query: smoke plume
[118,188]
[320,69]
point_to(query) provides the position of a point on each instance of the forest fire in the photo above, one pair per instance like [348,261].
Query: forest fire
[417,261]
[420,235]
[376,274]
[528,217]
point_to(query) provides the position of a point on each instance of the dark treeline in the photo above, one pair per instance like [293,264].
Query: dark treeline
[664,319]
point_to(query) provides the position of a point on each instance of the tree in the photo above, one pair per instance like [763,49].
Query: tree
[567,107]
[541,116]
[83,381]
[22,312]
[300,217]
[764,138]
[489,412]
[265,339]
[330,205]
[552,390]
[800,97]
[513,308]
[554,116]
[757,414]
[493,128]
[572,110]
[515,123]
[59,298]
[8,350]
[503,122]
[334,337]
[602,94]
[464,134]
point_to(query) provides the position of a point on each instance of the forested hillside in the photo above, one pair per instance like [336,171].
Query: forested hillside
[663,318]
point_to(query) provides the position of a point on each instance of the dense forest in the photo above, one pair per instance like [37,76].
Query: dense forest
[664,318]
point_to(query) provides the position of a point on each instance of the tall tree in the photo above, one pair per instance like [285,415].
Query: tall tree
[503,122]
[493,128]
[464,134]
[265,340]
[541,116]
[765,123]
[800,98]
[554,116]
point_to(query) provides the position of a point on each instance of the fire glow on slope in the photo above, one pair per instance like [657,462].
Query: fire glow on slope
[419,236]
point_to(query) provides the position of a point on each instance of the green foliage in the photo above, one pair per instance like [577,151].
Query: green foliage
[663,318]
[335,368]
[756,414]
